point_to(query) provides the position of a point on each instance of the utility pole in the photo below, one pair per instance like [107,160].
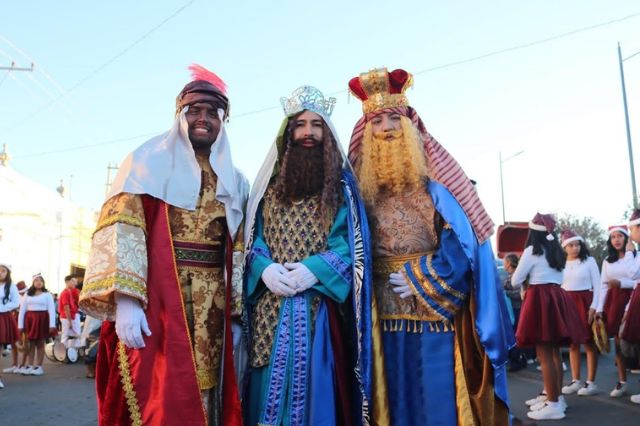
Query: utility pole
[13,67]
[108,183]
[626,118]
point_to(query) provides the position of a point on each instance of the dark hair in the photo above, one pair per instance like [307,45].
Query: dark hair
[32,289]
[332,163]
[69,278]
[584,251]
[554,254]
[7,287]
[512,259]
[612,254]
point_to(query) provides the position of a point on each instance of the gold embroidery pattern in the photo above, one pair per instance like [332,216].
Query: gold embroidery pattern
[127,385]
[424,303]
[444,285]
[184,313]
[428,287]
[203,288]
[292,233]
[121,218]
[383,266]
[127,285]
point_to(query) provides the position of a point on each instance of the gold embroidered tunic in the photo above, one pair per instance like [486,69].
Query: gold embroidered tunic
[292,234]
[402,229]
[118,262]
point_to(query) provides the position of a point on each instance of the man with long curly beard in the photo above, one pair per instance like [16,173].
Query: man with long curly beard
[445,330]
[308,298]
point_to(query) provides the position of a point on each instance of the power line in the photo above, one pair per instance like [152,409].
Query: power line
[483,56]
[80,147]
[259,111]
[104,65]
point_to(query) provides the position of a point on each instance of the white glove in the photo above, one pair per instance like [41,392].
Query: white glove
[400,285]
[236,332]
[275,279]
[130,320]
[302,277]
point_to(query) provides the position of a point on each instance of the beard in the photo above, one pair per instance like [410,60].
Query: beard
[304,171]
[392,162]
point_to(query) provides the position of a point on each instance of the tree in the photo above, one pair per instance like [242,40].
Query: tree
[594,235]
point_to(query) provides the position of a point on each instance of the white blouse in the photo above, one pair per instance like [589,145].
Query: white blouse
[41,302]
[14,299]
[537,268]
[618,270]
[581,276]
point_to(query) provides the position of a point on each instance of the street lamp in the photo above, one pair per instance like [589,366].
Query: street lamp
[626,118]
[501,181]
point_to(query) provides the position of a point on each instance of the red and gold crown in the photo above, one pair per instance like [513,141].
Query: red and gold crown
[380,89]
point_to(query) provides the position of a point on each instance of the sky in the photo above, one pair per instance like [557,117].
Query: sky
[547,84]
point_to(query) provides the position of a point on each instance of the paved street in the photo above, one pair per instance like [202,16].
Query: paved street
[64,396]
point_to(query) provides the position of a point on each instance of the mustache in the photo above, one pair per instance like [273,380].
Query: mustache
[388,134]
[299,141]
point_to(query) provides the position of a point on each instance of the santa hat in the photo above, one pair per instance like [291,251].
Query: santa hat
[635,218]
[544,223]
[618,228]
[22,287]
[569,236]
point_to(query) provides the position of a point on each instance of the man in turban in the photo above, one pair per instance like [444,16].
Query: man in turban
[445,329]
[160,272]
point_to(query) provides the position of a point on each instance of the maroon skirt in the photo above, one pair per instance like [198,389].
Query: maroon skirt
[631,332]
[8,329]
[582,301]
[36,325]
[549,316]
[617,299]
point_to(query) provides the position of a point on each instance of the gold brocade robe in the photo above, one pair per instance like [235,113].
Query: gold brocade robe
[119,263]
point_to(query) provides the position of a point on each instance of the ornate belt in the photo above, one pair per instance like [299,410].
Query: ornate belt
[198,255]
[386,265]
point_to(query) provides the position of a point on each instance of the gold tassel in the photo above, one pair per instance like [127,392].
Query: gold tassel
[431,327]
[401,324]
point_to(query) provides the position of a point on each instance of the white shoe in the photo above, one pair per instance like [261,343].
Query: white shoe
[635,398]
[619,390]
[1,385]
[37,371]
[26,371]
[10,370]
[573,387]
[588,389]
[541,405]
[542,397]
[547,413]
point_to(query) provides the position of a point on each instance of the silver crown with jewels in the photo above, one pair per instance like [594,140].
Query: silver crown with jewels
[309,98]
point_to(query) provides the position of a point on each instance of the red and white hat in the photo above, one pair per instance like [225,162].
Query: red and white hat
[569,236]
[618,228]
[544,223]
[635,218]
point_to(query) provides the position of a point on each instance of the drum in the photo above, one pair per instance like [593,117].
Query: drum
[48,351]
[56,351]
[59,351]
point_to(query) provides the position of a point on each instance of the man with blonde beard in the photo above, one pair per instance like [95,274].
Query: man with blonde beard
[445,329]
[308,293]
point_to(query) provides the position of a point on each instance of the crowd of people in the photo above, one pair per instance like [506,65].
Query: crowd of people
[345,288]
[31,316]
[567,301]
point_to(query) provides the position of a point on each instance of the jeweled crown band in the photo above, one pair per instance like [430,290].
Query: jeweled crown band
[379,101]
[308,98]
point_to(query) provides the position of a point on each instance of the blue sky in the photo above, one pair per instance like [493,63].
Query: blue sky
[108,72]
